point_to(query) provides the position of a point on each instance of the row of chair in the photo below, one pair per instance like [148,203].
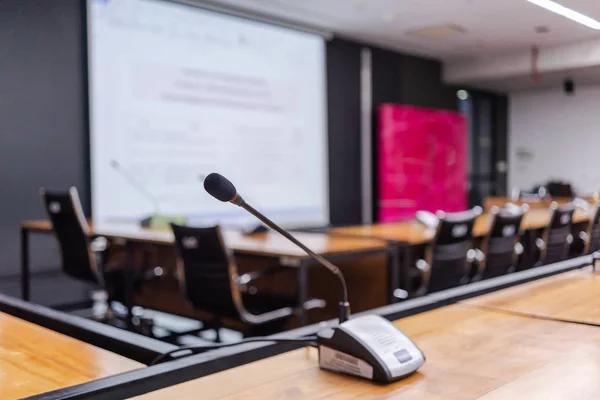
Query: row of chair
[452,259]
[209,278]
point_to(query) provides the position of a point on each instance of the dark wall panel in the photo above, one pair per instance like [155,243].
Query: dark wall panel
[501,144]
[343,97]
[387,77]
[42,115]
[386,83]
[404,79]
[422,84]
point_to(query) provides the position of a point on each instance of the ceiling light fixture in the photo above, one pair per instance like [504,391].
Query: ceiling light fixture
[567,13]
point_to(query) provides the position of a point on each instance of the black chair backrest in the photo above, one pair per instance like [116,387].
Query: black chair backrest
[448,253]
[499,245]
[206,269]
[70,227]
[557,232]
[560,189]
[594,229]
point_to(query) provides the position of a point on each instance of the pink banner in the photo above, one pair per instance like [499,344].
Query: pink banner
[422,161]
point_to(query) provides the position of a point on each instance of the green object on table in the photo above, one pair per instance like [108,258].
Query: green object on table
[162,221]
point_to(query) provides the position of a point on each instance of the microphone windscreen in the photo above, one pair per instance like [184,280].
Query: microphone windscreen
[219,187]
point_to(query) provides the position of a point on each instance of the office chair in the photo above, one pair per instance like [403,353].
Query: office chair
[86,259]
[586,239]
[556,238]
[208,275]
[501,247]
[449,257]
[560,189]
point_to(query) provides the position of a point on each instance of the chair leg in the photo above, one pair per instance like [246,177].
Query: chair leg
[216,325]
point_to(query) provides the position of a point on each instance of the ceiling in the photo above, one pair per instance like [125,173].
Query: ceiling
[492,26]
[553,80]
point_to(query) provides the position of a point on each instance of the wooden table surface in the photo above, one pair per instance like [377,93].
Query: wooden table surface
[37,225]
[471,354]
[573,296]
[500,201]
[269,244]
[36,360]
[415,233]
[412,232]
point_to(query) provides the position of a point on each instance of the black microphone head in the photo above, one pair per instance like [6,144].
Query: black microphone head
[219,187]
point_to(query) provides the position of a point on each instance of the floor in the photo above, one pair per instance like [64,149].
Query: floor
[51,288]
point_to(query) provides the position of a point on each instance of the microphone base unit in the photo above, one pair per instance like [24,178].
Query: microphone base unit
[370,347]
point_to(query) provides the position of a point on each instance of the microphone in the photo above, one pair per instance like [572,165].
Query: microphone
[259,228]
[368,346]
[223,190]
[115,165]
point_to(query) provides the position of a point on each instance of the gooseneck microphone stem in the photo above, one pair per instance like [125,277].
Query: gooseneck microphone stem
[344,305]
[221,189]
[133,182]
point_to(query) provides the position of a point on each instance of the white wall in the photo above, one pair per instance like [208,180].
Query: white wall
[552,135]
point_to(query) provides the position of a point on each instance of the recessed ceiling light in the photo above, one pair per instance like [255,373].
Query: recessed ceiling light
[567,12]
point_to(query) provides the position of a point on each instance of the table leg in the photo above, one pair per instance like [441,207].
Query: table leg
[393,272]
[129,282]
[303,290]
[407,263]
[25,278]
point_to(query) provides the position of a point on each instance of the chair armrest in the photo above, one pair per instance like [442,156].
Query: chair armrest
[252,276]
[312,304]
[270,316]
[99,244]
[519,249]
[100,250]
[539,243]
[595,260]
[425,269]
[476,256]
[245,280]
[254,319]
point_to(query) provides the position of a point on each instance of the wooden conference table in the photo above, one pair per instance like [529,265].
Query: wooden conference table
[416,233]
[337,244]
[268,245]
[36,360]
[473,352]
